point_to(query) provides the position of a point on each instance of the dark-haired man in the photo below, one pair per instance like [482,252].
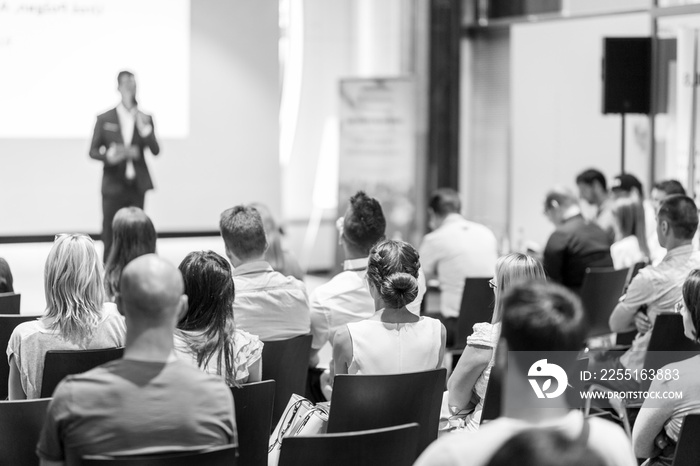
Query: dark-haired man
[593,189]
[545,318]
[575,244]
[268,304]
[655,289]
[660,191]
[455,250]
[120,138]
[346,298]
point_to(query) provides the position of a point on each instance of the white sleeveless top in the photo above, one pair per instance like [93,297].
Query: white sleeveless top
[384,348]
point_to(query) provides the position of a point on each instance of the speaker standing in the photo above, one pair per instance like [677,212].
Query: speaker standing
[119,141]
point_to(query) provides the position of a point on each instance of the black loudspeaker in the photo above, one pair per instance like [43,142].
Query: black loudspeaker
[627,75]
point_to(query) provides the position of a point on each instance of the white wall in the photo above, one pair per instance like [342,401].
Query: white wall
[558,129]
[230,156]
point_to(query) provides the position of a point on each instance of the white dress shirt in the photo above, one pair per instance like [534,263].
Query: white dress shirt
[456,250]
[127,123]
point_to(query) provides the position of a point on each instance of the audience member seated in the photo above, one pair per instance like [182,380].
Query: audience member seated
[207,334]
[148,401]
[6,282]
[627,185]
[133,235]
[654,289]
[659,422]
[546,447]
[455,250]
[659,192]
[268,304]
[467,384]
[542,317]
[575,245]
[76,315]
[280,258]
[393,340]
[593,189]
[346,298]
[630,246]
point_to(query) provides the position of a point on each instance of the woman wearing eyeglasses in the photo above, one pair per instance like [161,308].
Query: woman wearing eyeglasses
[658,425]
[467,384]
[76,315]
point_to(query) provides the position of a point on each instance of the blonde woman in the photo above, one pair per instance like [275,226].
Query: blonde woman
[467,384]
[76,316]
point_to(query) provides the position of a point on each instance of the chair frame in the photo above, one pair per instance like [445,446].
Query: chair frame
[21,422]
[359,443]
[10,303]
[425,386]
[226,454]
[51,377]
[254,403]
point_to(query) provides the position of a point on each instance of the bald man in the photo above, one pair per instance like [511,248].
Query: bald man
[148,401]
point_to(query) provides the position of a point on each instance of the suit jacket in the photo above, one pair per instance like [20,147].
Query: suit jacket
[574,246]
[108,131]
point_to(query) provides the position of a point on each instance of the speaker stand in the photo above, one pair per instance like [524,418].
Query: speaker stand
[622,148]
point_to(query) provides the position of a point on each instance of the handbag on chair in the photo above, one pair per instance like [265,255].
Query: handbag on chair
[300,417]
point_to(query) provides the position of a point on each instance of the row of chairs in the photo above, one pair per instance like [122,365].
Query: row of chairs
[388,417]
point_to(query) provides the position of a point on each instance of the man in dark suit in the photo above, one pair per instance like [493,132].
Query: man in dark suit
[575,244]
[119,140]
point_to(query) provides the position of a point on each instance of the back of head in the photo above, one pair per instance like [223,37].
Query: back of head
[626,184]
[151,291]
[243,232]
[591,176]
[681,214]
[544,447]
[73,286]
[691,298]
[631,220]
[670,187]
[559,197]
[393,271]
[541,316]
[6,281]
[512,269]
[210,291]
[445,201]
[364,223]
[133,235]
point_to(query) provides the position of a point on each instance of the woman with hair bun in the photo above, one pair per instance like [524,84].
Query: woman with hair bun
[393,340]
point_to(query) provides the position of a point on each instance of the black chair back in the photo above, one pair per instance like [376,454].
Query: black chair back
[634,270]
[600,292]
[58,364]
[254,402]
[391,446]
[667,344]
[9,303]
[362,402]
[286,362]
[217,456]
[20,425]
[477,306]
[688,447]
[7,325]
[493,395]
